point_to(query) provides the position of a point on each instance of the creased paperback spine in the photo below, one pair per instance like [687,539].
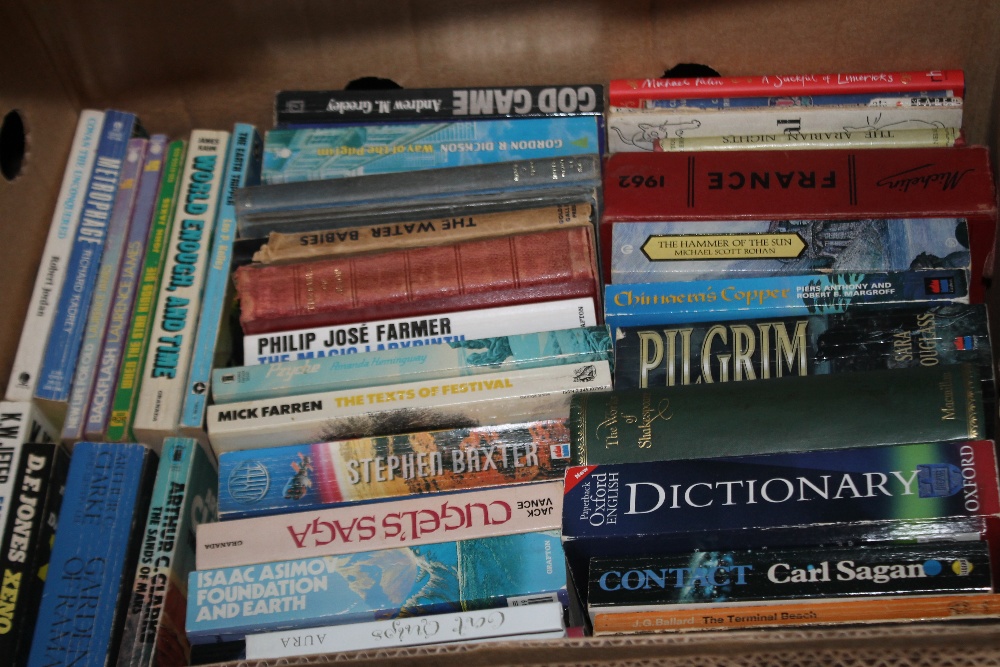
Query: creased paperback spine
[297,478]
[432,362]
[53,264]
[937,137]
[422,519]
[453,327]
[492,398]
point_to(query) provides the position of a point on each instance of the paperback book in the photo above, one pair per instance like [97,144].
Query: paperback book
[404,364]
[942,97]
[300,478]
[492,572]
[854,139]
[492,398]
[338,150]
[21,422]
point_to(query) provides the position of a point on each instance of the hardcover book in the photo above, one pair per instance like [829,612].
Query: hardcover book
[812,498]
[417,520]
[646,252]
[305,107]
[73,302]
[492,398]
[851,409]
[137,341]
[502,571]
[183,497]
[105,289]
[807,184]
[95,552]
[39,480]
[735,577]
[677,302]
[525,268]
[404,364]
[408,332]
[173,328]
[52,266]
[299,478]
[212,344]
[340,149]
[99,409]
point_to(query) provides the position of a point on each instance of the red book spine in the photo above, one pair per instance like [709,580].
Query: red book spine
[807,184]
[523,268]
[630,93]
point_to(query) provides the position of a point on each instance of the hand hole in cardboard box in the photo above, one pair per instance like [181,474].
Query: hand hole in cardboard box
[12,145]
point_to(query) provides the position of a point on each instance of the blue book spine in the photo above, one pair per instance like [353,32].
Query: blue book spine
[84,262]
[642,304]
[89,359]
[451,359]
[929,98]
[124,296]
[242,169]
[314,153]
[228,603]
[95,550]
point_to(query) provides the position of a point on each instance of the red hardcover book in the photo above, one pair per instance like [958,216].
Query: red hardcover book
[807,184]
[631,93]
[523,268]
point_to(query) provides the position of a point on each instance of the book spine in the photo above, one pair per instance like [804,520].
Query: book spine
[492,398]
[171,335]
[641,130]
[300,478]
[183,497]
[300,107]
[379,238]
[124,295]
[425,519]
[427,579]
[105,286]
[53,264]
[819,344]
[433,362]
[334,151]
[242,169]
[854,409]
[723,578]
[452,327]
[934,137]
[629,92]
[647,304]
[839,612]
[924,98]
[526,268]
[447,627]
[137,342]
[24,556]
[651,252]
[83,604]
[63,346]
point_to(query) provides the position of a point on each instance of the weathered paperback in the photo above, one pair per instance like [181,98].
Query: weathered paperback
[21,422]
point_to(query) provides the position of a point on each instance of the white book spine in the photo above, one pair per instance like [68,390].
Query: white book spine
[420,519]
[178,304]
[523,622]
[489,399]
[52,266]
[418,331]
[20,422]
[638,130]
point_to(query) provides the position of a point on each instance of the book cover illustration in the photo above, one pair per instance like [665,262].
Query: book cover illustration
[85,598]
[812,498]
[652,252]
[309,477]
[334,151]
[450,359]
[741,576]
[500,571]
[407,332]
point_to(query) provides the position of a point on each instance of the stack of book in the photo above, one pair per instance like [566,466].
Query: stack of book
[786,112]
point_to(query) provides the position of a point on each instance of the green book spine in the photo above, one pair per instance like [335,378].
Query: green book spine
[137,343]
[857,409]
